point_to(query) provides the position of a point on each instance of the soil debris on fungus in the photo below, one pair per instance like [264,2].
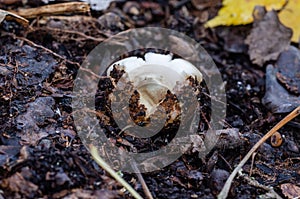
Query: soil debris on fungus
[140,111]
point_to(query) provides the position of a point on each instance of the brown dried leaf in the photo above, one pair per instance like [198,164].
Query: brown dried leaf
[36,115]
[16,183]
[290,190]
[268,37]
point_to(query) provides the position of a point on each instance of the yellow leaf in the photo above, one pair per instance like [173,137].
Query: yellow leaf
[239,12]
[290,16]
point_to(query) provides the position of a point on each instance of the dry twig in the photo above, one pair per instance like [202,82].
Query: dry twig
[224,193]
[258,185]
[107,168]
[87,37]
[54,54]
[42,47]
[54,9]
[142,181]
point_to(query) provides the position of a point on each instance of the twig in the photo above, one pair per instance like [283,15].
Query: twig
[54,54]
[54,9]
[142,181]
[42,47]
[107,168]
[71,32]
[252,163]
[226,162]
[224,193]
[257,184]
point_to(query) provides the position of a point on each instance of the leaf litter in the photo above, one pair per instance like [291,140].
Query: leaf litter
[268,37]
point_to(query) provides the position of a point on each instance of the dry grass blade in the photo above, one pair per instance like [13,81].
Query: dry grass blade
[11,16]
[107,168]
[224,193]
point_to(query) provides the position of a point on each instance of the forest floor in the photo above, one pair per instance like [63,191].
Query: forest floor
[41,155]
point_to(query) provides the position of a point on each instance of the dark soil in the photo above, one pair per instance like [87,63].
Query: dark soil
[41,155]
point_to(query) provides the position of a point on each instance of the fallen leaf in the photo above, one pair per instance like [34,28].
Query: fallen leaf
[239,12]
[290,190]
[268,38]
[289,16]
[16,183]
[36,115]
